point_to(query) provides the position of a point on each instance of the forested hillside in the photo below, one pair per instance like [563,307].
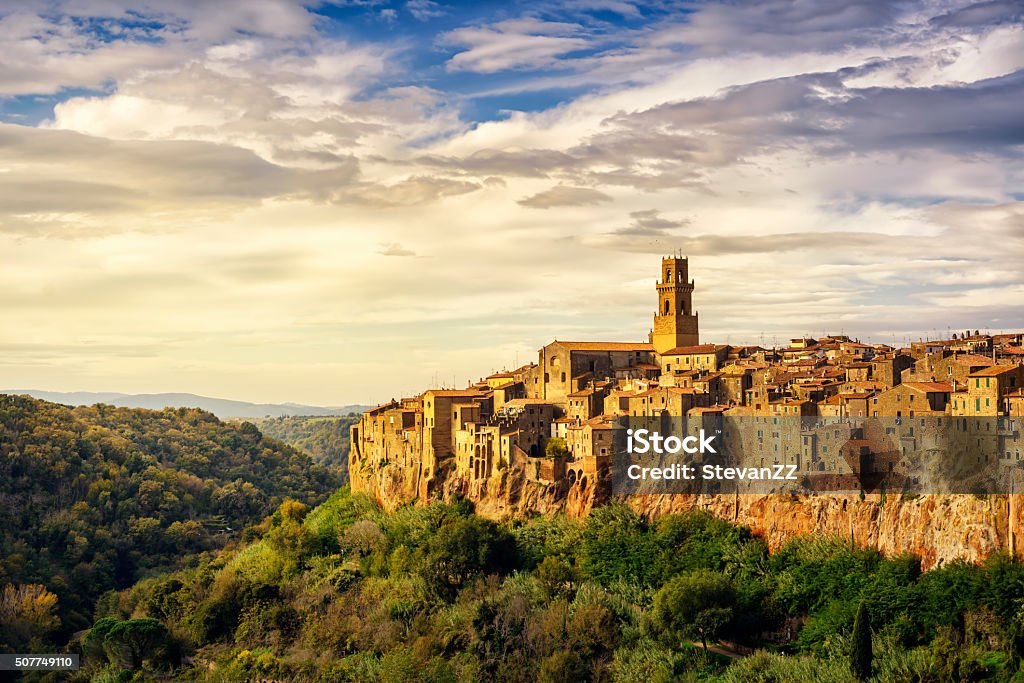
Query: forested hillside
[325,439]
[346,592]
[94,498]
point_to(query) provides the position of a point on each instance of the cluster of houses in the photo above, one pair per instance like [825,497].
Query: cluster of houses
[556,420]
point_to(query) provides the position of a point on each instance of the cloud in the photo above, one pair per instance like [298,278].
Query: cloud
[395,249]
[413,191]
[143,173]
[655,240]
[424,10]
[512,44]
[530,163]
[778,26]
[48,46]
[981,14]
[649,223]
[233,184]
[563,195]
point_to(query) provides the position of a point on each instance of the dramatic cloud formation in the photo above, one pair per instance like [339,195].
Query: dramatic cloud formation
[335,203]
[565,196]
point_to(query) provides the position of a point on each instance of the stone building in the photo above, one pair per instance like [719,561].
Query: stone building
[568,367]
[675,321]
[494,433]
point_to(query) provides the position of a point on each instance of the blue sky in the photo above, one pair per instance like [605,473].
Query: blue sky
[334,203]
[427,35]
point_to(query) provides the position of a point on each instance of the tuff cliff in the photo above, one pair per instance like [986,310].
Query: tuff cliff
[937,528]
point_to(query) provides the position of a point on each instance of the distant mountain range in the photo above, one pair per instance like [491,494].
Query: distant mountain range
[222,408]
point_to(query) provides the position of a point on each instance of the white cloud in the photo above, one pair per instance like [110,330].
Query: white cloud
[513,44]
[251,209]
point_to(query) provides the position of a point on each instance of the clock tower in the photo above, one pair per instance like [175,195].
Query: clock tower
[675,323]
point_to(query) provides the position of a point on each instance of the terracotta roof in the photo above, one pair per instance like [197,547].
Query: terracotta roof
[711,410]
[603,346]
[456,392]
[973,359]
[383,406]
[602,422]
[930,387]
[691,350]
[994,370]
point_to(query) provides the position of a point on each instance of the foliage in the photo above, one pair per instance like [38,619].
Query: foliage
[97,497]
[695,605]
[27,615]
[556,447]
[344,591]
[324,439]
[860,648]
[129,643]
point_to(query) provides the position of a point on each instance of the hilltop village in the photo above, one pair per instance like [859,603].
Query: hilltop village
[544,431]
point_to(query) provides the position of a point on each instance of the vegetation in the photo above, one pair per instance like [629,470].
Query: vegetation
[860,648]
[347,592]
[171,546]
[324,439]
[96,498]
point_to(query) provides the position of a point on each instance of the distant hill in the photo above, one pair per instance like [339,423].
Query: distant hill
[222,408]
[94,498]
[324,439]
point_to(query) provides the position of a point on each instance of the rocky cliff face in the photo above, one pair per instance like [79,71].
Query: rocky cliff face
[938,528]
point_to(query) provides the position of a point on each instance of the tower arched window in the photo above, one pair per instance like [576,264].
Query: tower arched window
[668,276]
[668,307]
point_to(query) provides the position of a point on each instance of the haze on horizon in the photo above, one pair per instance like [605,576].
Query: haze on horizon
[336,203]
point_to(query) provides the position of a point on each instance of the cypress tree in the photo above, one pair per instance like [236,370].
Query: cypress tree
[860,650]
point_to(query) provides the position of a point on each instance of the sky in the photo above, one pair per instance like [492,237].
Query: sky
[345,202]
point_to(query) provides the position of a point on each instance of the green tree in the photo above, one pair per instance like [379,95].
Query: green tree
[695,605]
[556,575]
[860,649]
[463,548]
[128,643]
[556,446]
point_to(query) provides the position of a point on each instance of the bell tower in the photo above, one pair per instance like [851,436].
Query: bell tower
[675,323]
